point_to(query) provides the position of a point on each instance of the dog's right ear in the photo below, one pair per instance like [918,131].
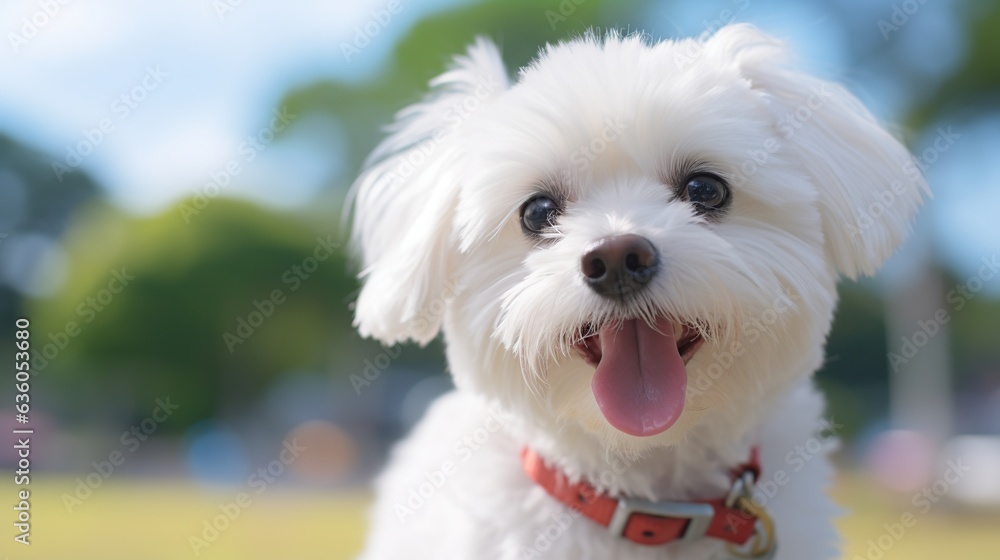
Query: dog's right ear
[405,201]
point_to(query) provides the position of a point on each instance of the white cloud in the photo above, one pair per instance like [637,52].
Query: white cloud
[225,74]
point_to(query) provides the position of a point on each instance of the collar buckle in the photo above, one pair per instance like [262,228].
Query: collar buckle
[763,544]
[699,515]
[742,488]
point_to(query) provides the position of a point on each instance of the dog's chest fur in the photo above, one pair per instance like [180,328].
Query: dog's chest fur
[460,491]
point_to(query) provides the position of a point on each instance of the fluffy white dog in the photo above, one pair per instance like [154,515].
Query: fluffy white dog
[632,250]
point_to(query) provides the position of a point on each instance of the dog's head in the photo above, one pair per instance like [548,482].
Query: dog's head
[630,237]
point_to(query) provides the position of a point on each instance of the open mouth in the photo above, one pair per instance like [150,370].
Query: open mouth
[688,343]
[640,378]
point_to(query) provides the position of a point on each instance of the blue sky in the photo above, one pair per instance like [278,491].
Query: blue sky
[224,70]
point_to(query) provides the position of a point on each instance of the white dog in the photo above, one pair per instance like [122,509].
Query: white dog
[632,250]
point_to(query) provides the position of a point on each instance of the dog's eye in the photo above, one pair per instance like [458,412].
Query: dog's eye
[707,192]
[538,214]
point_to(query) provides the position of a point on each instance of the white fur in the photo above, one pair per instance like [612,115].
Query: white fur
[437,225]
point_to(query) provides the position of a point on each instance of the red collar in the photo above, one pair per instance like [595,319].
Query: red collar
[652,523]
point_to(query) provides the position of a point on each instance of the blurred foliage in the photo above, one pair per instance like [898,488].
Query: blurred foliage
[32,198]
[972,86]
[854,374]
[186,286]
[32,202]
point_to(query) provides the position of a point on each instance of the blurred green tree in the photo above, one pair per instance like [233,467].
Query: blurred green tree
[207,312]
[33,202]
[972,86]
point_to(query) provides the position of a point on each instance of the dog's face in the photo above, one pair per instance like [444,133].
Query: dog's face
[632,238]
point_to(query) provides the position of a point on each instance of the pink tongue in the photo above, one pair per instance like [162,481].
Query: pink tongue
[640,383]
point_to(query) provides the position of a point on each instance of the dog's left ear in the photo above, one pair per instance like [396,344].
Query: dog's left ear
[405,202]
[869,185]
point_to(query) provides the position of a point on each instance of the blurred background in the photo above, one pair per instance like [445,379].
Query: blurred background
[172,181]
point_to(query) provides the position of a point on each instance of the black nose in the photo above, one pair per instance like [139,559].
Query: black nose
[619,265]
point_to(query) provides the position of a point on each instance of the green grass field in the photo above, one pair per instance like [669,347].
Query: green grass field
[147,520]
